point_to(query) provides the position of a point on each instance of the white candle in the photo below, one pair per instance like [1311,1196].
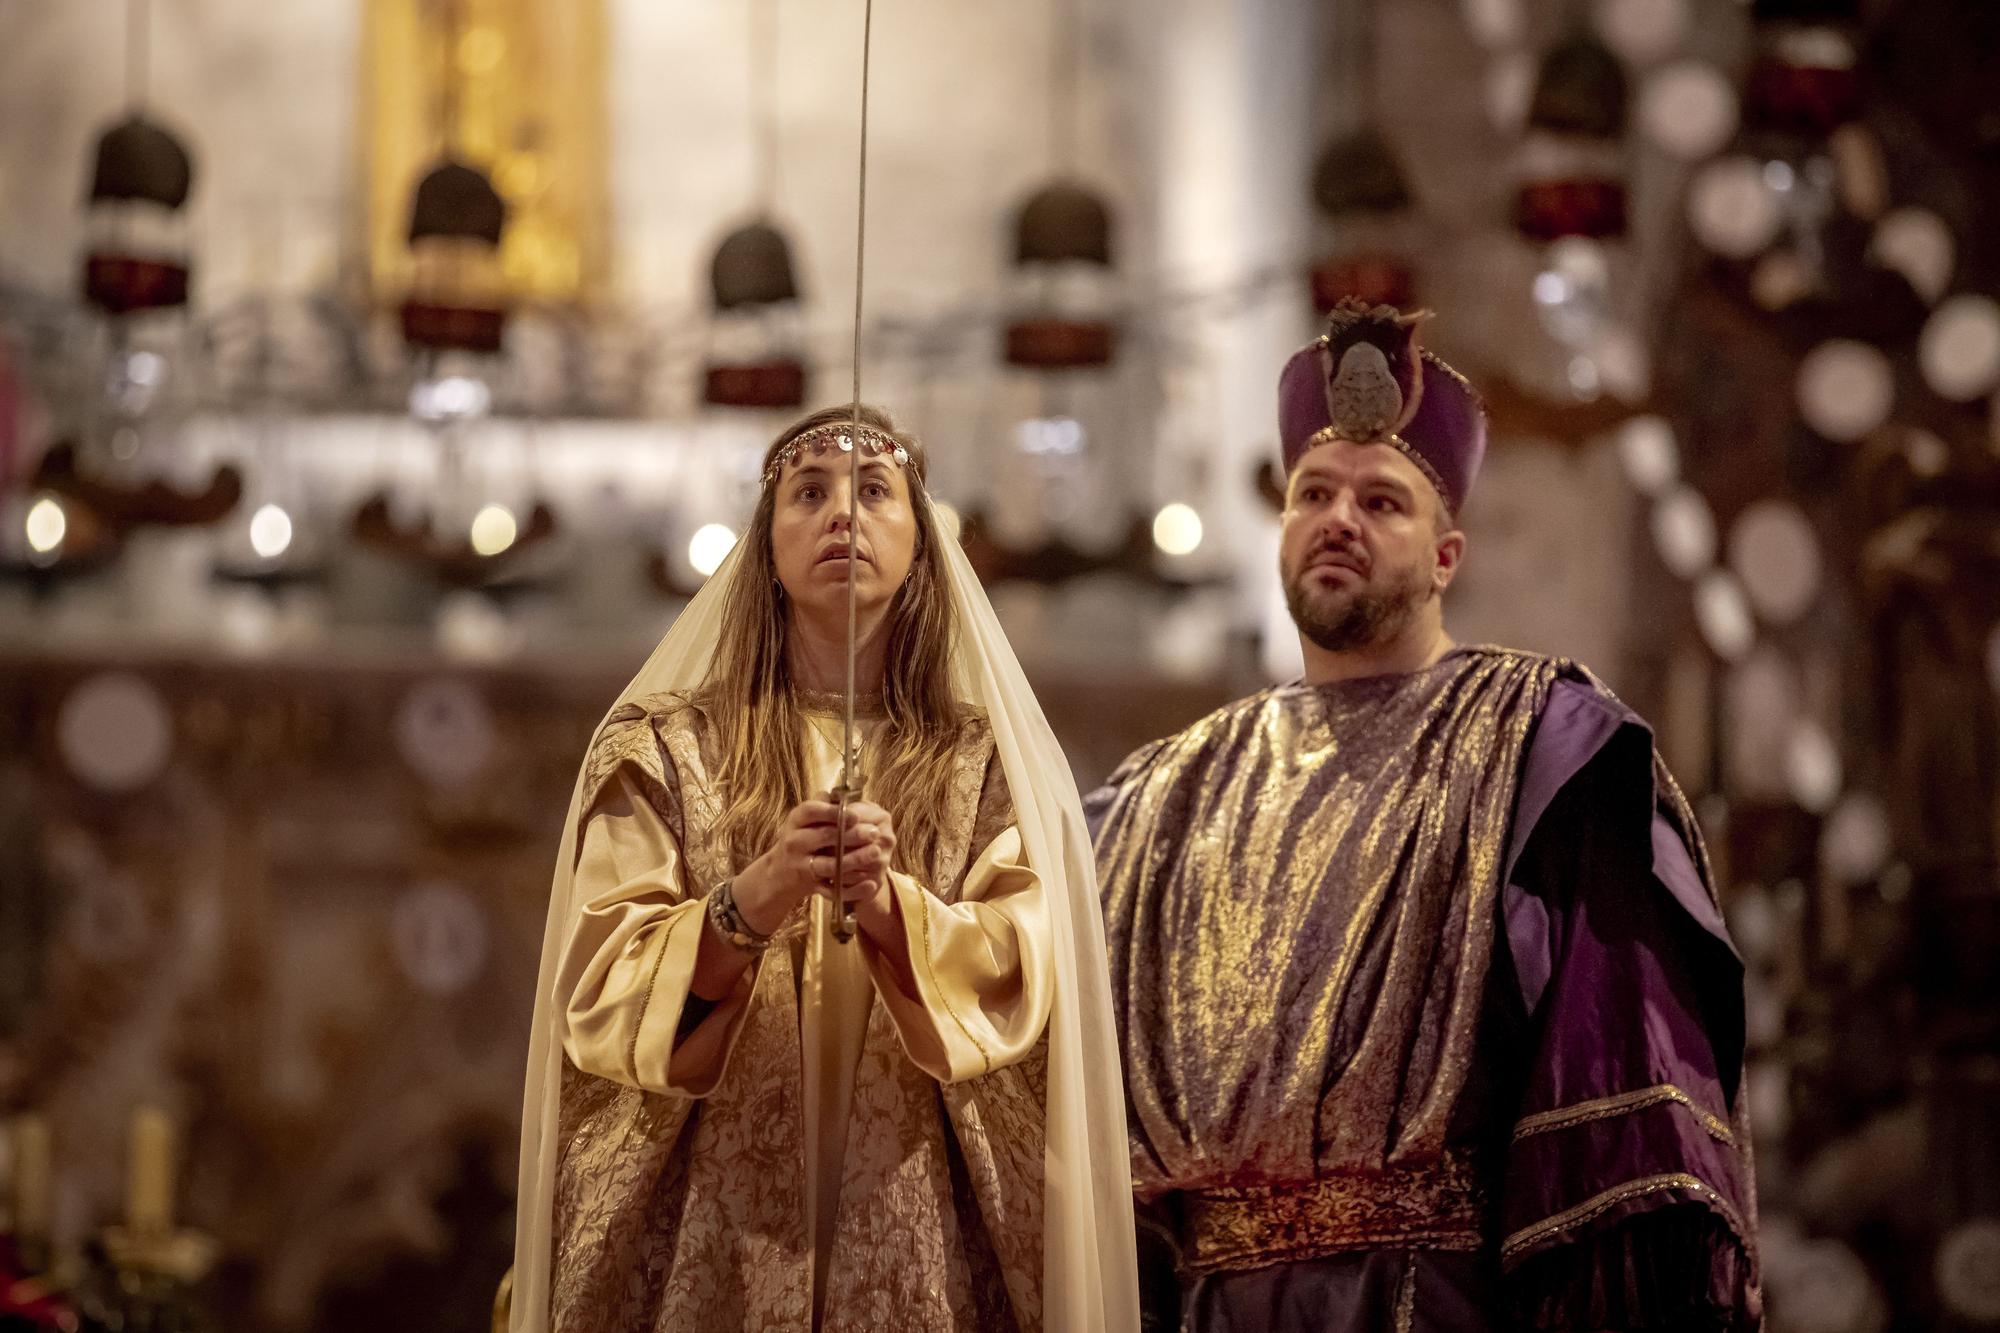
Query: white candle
[149,1197]
[31,1176]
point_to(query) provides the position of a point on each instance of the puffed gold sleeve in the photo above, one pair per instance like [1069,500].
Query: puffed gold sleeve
[982,966]
[622,988]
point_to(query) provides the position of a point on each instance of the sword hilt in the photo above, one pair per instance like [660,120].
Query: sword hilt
[843,910]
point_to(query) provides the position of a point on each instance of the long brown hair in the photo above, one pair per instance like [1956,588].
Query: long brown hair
[755,713]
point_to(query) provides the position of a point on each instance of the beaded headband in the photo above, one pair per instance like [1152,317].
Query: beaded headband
[837,437]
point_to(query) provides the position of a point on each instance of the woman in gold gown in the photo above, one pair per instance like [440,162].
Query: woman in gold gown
[737,1121]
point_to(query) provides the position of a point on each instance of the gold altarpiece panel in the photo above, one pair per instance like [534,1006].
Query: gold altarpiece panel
[515,88]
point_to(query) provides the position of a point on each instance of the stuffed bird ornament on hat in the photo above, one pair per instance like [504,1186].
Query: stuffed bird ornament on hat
[1373,384]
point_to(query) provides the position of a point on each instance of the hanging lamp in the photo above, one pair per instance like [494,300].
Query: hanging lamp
[456,299]
[136,251]
[1570,202]
[456,221]
[754,358]
[1063,261]
[1360,190]
[136,261]
[1805,78]
[756,336]
[1572,178]
[1062,248]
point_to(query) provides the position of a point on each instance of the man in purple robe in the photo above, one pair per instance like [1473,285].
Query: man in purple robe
[1429,1015]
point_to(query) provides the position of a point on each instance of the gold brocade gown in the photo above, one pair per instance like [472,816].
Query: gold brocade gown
[1300,897]
[1429,1012]
[821,1149]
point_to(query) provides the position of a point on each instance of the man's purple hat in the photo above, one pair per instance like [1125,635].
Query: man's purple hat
[1366,380]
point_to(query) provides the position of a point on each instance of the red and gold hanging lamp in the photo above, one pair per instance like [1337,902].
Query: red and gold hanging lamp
[1805,79]
[1572,180]
[1359,187]
[755,356]
[1063,261]
[1062,258]
[136,249]
[456,298]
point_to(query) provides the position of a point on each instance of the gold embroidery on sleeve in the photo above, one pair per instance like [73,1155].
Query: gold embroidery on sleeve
[985,1057]
[1623,1103]
[652,983]
[1597,1205]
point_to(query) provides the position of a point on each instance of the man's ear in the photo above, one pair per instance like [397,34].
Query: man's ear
[1450,552]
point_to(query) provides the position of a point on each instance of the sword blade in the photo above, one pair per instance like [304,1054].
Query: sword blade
[843,921]
[850,767]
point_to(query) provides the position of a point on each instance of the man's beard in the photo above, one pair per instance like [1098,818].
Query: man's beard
[1364,618]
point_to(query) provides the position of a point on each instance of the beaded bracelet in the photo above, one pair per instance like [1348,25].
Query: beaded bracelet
[728,920]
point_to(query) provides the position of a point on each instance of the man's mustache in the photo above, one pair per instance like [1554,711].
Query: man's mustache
[1346,553]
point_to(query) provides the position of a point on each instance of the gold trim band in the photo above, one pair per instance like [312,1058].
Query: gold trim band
[1436,362]
[1600,1204]
[1623,1103]
[1406,1299]
[1441,1206]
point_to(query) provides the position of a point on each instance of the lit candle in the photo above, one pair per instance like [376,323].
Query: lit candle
[149,1197]
[31,1176]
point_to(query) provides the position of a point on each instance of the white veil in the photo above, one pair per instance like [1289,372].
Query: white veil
[1090,1281]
